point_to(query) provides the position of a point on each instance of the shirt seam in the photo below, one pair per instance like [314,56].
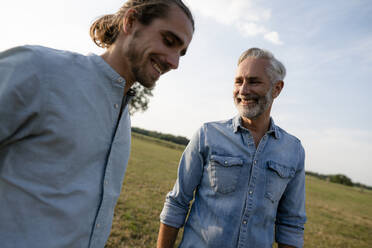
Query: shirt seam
[39,73]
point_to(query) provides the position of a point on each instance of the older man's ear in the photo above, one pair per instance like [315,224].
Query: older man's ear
[277,88]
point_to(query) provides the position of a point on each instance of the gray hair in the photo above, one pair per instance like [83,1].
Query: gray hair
[276,70]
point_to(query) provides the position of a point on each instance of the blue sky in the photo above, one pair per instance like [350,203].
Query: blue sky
[325,45]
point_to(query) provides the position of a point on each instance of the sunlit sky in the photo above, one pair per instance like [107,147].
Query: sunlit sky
[325,45]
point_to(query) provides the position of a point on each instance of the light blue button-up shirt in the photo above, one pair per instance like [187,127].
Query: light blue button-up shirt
[63,149]
[242,194]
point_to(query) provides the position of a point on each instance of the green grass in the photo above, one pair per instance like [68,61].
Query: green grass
[338,216]
[151,173]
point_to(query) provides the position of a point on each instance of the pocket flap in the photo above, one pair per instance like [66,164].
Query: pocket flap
[281,170]
[227,161]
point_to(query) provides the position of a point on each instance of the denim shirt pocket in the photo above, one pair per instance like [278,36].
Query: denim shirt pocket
[225,173]
[277,178]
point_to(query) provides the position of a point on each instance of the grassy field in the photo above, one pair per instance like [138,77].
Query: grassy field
[338,216]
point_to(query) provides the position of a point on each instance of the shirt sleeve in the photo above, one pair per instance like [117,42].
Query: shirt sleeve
[190,171]
[291,215]
[20,94]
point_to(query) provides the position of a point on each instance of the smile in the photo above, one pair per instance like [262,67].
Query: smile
[243,101]
[156,67]
[248,101]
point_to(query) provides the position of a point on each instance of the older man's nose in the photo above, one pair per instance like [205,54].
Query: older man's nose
[245,88]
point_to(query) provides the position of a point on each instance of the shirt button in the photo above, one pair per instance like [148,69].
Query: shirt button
[120,80]
[250,192]
[106,182]
[116,105]
[255,162]
[245,222]
[98,225]
[225,162]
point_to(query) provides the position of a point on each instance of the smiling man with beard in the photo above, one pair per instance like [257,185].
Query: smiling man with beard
[65,127]
[246,175]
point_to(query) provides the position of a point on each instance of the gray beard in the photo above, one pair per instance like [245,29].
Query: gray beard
[262,105]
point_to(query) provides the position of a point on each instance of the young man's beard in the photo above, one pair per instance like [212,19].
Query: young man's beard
[138,63]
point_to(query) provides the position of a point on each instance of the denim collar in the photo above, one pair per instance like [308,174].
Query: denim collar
[273,129]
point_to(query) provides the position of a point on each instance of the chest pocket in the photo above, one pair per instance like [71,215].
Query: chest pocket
[224,173]
[277,178]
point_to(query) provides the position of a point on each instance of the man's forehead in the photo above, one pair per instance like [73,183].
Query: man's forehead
[253,64]
[178,23]
[252,69]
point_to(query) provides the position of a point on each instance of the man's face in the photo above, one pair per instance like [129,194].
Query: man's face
[155,49]
[253,91]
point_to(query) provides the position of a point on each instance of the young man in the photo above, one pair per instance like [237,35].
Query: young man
[65,127]
[246,174]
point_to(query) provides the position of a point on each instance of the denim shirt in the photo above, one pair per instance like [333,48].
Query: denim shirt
[243,196]
[63,150]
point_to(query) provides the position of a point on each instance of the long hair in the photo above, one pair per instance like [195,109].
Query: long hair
[106,29]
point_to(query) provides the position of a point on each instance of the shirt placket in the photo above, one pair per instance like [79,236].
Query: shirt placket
[249,206]
[107,207]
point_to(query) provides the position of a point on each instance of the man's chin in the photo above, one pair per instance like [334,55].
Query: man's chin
[248,114]
[148,83]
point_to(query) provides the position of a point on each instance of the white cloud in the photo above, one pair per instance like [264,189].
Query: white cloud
[251,29]
[273,37]
[245,15]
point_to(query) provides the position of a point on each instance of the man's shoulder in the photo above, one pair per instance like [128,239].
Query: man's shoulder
[51,54]
[213,128]
[295,152]
[34,49]
[40,55]
[37,49]
[221,123]
[287,136]
[20,54]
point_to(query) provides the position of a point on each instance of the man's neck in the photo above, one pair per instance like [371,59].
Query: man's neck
[119,65]
[258,126]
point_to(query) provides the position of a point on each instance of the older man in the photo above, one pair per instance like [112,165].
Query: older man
[65,127]
[246,174]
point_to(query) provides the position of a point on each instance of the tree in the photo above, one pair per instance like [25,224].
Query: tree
[141,100]
[341,179]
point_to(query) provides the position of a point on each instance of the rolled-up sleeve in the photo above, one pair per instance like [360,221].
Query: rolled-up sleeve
[20,94]
[291,216]
[190,171]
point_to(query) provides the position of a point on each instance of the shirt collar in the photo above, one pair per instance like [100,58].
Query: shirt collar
[273,129]
[107,70]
